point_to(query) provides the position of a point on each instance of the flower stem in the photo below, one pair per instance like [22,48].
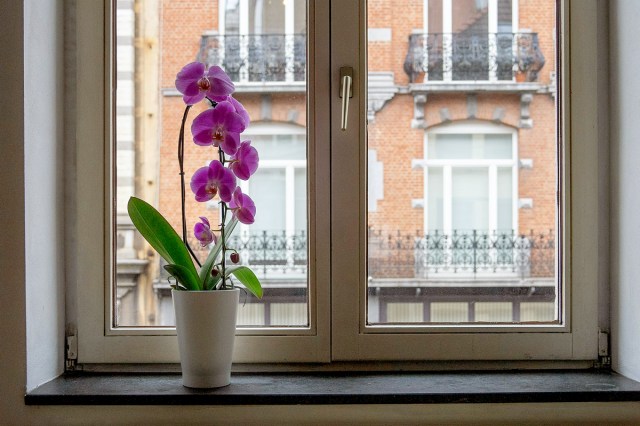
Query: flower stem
[182,190]
[223,208]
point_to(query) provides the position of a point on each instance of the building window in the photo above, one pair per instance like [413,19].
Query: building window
[471,179]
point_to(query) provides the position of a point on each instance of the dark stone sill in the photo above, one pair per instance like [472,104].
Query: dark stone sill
[340,388]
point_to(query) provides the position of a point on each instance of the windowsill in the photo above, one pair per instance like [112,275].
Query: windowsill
[340,388]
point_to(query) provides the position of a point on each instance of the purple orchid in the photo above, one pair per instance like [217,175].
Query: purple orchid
[240,110]
[220,126]
[195,82]
[211,180]
[244,209]
[202,231]
[245,162]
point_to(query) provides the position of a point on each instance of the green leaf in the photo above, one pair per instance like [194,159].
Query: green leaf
[207,266]
[247,278]
[184,276]
[163,238]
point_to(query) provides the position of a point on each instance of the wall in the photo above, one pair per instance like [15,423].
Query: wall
[43,189]
[13,338]
[625,175]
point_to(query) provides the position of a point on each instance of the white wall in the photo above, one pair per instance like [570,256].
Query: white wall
[43,188]
[624,100]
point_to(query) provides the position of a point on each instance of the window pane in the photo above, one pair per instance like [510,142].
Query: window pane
[470,200]
[435,202]
[465,228]
[505,199]
[262,46]
[470,146]
[268,188]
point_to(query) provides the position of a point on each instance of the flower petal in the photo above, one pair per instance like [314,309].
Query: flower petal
[230,143]
[187,78]
[242,112]
[192,100]
[221,84]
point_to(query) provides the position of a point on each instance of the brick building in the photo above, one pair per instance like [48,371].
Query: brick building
[462,153]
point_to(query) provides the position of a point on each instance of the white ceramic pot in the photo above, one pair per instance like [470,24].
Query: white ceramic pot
[206,327]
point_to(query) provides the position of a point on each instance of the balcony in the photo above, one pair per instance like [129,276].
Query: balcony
[498,59]
[258,62]
[462,256]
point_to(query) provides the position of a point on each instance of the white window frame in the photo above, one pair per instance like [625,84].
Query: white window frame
[339,331]
[575,339]
[91,304]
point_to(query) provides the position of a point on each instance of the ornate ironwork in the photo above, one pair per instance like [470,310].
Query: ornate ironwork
[464,253]
[257,58]
[272,253]
[473,56]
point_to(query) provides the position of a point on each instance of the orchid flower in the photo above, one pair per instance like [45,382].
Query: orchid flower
[195,82]
[240,110]
[202,232]
[214,179]
[220,126]
[245,162]
[243,207]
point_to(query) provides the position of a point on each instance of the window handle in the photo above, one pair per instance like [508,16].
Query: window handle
[346,92]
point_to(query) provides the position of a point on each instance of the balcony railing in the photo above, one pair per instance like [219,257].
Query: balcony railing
[461,254]
[257,58]
[474,57]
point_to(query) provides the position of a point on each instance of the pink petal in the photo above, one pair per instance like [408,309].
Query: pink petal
[221,84]
[244,216]
[192,100]
[187,78]
[230,143]
[242,112]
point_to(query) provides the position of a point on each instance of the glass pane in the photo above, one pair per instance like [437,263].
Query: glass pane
[266,17]
[263,49]
[470,146]
[505,199]
[470,39]
[281,146]
[445,145]
[267,187]
[470,200]
[505,16]
[497,146]
[435,201]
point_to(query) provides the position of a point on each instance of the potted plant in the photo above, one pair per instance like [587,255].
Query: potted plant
[205,296]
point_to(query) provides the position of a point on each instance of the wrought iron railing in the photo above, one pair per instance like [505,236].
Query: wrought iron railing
[474,253]
[279,254]
[257,58]
[474,57]
[272,253]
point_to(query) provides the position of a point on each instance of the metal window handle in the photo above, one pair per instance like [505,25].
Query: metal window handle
[346,92]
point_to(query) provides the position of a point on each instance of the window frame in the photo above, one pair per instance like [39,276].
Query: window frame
[338,334]
[98,341]
[575,339]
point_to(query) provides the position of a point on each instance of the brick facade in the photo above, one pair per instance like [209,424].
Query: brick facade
[391,134]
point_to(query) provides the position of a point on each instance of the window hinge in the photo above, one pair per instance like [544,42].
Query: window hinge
[71,354]
[604,357]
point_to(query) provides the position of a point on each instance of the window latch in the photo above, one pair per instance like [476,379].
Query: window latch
[346,92]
